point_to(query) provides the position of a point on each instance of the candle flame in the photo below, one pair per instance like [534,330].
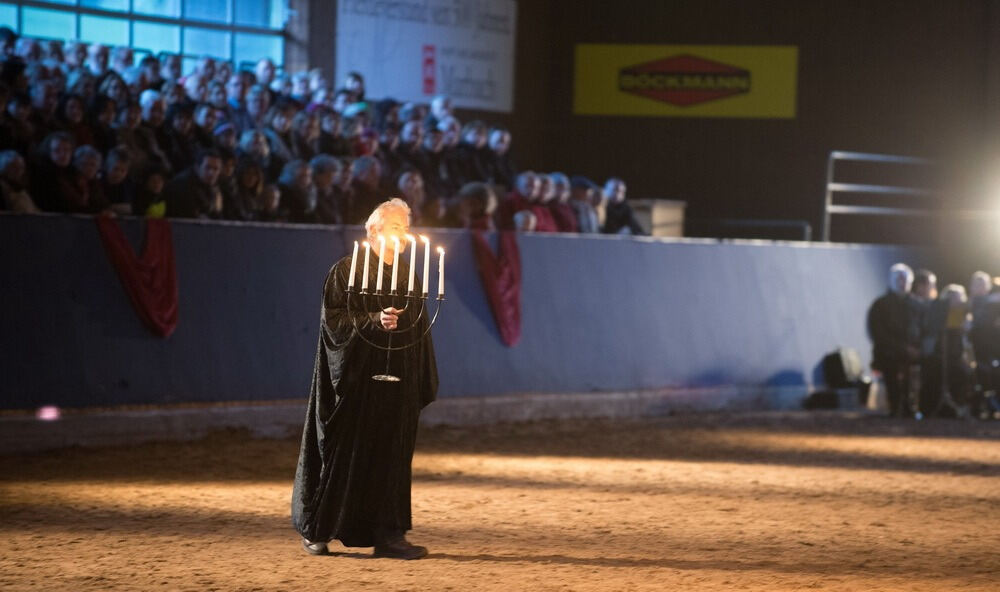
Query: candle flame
[410,237]
[441,250]
[365,244]
[425,239]
[381,238]
[395,240]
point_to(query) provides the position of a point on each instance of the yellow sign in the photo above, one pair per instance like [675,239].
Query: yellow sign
[686,80]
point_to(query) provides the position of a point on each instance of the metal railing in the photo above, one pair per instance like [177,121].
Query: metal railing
[832,187]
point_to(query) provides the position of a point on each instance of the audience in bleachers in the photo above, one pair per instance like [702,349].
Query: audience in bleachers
[87,129]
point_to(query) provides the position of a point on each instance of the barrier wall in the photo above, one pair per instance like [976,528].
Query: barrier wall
[599,314]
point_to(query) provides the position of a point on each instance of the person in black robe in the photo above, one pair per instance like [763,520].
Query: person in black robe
[354,474]
[892,347]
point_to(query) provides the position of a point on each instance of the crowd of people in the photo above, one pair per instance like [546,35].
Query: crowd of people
[938,353]
[86,129]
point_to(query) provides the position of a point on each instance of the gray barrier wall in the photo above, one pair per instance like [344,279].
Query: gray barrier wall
[599,314]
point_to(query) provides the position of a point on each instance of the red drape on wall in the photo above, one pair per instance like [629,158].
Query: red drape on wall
[501,277]
[150,280]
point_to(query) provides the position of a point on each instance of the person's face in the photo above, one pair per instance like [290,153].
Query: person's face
[222,72]
[182,124]
[927,290]
[236,89]
[176,95]
[151,71]
[88,168]
[451,134]
[107,114]
[259,147]
[154,113]
[354,84]
[77,55]
[124,58]
[331,124]
[300,86]
[616,191]
[217,95]
[61,153]
[412,134]
[500,142]
[255,104]
[395,224]
[562,191]
[340,102]
[411,185]
[19,110]
[281,122]
[250,178]
[228,168]
[547,190]
[206,118]
[74,111]
[117,172]
[265,71]
[303,177]
[116,90]
[390,138]
[209,169]
[434,141]
[227,139]
[133,115]
[154,184]
[15,170]
[98,59]
[324,180]
[206,68]
[476,138]
[172,67]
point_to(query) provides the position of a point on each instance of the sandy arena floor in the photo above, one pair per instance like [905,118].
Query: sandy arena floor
[707,502]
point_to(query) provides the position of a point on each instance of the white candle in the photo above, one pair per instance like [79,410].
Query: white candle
[395,261]
[381,263]
[413,261]
[441,272]
[427,261]
[364,272]
[354,266]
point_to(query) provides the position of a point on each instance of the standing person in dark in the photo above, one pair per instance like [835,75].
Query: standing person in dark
[353,477]
[889,330]
[620,218]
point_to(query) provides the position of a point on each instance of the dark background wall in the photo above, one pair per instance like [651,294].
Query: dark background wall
[917,78]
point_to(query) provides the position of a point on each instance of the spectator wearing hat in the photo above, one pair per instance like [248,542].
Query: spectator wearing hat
[562,214]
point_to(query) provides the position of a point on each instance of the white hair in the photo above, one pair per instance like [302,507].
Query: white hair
[900,270]
[376,220]
[954,292]
[148,97]
[980,284]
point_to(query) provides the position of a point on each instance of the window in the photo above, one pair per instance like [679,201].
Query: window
[165,8]
[99,29]
[261,13]
[242,31]
[119,5]
[53,24]
[251,47]
[156,37]
[213,42]
[8,15]
[207,10]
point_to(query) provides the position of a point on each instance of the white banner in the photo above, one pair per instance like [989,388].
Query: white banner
[411,50]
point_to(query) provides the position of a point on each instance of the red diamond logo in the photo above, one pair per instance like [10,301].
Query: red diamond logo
[684,80]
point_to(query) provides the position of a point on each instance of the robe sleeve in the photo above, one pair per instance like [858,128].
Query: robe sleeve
[338,323]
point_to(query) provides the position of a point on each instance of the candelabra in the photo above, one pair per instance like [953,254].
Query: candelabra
[382,299]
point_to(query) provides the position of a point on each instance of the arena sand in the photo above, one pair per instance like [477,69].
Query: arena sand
[702,502]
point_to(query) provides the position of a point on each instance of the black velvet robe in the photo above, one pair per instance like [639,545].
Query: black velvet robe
[354,470]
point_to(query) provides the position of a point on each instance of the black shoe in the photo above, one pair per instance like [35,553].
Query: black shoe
[315,548]
[400,549]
